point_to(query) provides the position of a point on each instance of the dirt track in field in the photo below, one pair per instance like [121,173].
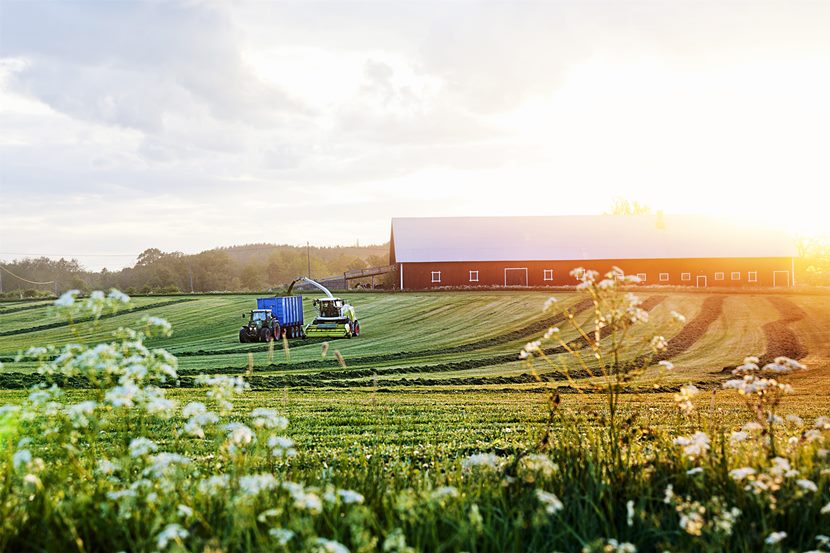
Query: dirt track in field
[781,339]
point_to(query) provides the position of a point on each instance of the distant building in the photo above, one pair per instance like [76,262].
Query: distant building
[695,251]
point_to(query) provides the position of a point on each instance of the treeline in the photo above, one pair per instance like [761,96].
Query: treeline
[252,267]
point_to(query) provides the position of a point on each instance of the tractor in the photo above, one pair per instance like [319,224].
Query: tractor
[262,327]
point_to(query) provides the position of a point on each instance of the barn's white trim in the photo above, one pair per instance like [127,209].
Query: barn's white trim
[736,275]
[436,273]
[720,275]
[471,276]
[548,274]
[752,276]
[685,276]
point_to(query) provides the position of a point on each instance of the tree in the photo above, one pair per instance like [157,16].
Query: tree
[622,206]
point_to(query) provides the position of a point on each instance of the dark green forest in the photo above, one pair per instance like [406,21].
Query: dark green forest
[252,267]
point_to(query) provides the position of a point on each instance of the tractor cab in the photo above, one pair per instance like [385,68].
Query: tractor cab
[260,315]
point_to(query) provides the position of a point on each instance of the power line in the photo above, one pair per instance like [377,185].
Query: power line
[25,280]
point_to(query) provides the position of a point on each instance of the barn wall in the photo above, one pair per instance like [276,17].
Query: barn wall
[418,276]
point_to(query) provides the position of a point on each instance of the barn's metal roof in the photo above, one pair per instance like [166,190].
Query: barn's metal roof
[425,239]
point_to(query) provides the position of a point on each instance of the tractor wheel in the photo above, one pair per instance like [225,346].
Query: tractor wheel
[356,328]
[243,336]
[265,335]
[348,330]
[277,335]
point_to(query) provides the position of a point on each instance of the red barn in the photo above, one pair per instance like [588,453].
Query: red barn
[683,250]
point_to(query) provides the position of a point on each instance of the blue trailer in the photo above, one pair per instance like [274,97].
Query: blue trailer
[274,318]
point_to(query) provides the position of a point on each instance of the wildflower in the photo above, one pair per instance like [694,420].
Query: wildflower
[658,343]
[268,418]
[303,499]
[282,535]
[668,495]
[161,463]
[552,503]
[691,517]
[323,545]
[348,496]
[552,331]
[156,326]
[629,510]
[775,537]
[444,491]
[684,398]
[32,482]
[79,413]
[550,302]
[21,458]
[482,460]
[123,396]
[696,470]
[160,406]
[668,365]
[141,446]
[738,436]
[741,473]
[171,533]
[67,299]
[822,423]
[532,465]
[214,485]
[118,297]
[825,509]
[752,427]
[695,446]
[239,435]
[184,511]
[106,467]
[254,484]
[678,317]
[281,446]
[808,485]
[795,420]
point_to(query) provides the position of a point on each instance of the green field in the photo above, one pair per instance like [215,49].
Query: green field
[434,381]
[438,341]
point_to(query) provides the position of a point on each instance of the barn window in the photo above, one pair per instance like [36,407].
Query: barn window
[436,276]
[641,276]
[473,276]
[718,276]
[685,276]
[736,275]
[752,276]
[548,274]
[664,277]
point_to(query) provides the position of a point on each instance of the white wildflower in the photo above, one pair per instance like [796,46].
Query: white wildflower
[741,473]
[172,533]
[808,485]
[738,436]
[678,317]
[551,503]
[21,458]
[826,509]
[239,435]
[118,296]
[444,491]
[142,446]
[349,496]
[282,535]
[696,470]
[281,446]
[482,460]
[552,331]
[255,484]
[775,537]
[695,446]
[157,326]
[184,511]
[214,485]
[322,545]
[684,398]
[268,418]
[668,365]
[629,512]
[67,298]
[550,302]
[658,343]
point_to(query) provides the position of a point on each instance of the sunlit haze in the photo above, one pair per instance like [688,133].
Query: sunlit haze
[186,126]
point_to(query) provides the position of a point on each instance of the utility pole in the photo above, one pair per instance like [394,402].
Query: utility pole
[1,281]
[190,272]
[308,257]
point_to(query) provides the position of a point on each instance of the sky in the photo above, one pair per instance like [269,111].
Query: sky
[194,124]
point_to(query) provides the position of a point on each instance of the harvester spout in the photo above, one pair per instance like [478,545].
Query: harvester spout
[313,283]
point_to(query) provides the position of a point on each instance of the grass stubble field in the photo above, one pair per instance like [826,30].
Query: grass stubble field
[434,379]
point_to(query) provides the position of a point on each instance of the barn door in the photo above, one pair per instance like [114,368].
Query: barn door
[781,278]
[516,276]
[702,281]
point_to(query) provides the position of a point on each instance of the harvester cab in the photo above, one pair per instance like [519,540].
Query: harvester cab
[335,318]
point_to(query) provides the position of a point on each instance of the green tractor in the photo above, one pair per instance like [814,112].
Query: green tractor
[262,327]
[335,318]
